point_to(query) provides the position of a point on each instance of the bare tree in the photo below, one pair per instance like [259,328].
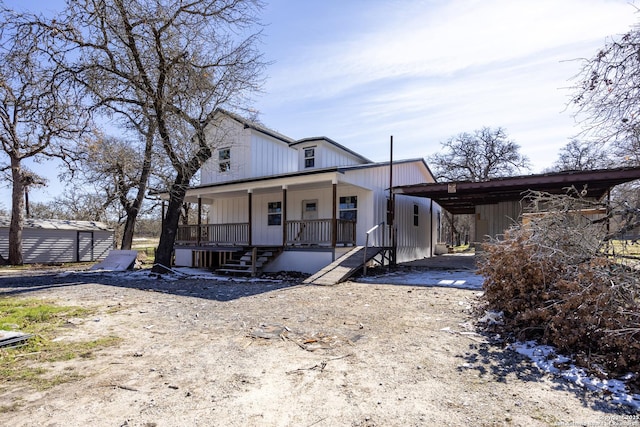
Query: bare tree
[484,154]
[119,171]
[176,61]
[582,155]
[607,93]
[626,152]
[37,107]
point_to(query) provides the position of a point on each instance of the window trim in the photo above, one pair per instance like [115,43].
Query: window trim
[312,158]
[274,214]
[342,201]
[224,162]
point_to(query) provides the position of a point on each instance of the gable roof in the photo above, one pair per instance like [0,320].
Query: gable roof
[331,142]
[292,142]
[256,126]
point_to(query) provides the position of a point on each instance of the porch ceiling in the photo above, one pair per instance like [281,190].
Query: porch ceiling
[463,197]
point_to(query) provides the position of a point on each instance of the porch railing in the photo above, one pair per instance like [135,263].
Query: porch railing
[316,232]
[319,232]
[213,234]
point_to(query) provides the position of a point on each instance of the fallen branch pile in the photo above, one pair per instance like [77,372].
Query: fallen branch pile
[564,280]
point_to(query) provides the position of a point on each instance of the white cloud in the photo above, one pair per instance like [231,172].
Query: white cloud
[425,71]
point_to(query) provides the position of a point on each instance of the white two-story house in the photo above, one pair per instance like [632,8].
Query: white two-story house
[306,202]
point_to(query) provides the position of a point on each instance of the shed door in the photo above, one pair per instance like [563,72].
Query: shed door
[85,246]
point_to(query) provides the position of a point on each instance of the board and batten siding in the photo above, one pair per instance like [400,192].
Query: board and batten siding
[263,233]
[253,154]
[230,134]
[229,210]
[270,157]
[326,155]
[413,242]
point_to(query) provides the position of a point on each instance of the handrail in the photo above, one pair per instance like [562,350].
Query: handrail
[366,245]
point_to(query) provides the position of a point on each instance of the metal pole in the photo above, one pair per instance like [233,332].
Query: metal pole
[392,199]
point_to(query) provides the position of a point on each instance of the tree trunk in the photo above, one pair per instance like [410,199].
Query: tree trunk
[164,252]
[134,210]
[17,214]
[129,229]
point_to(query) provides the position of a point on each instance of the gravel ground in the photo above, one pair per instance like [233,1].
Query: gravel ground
[198,352]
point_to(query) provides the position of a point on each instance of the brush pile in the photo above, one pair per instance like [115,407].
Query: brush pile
[569,276]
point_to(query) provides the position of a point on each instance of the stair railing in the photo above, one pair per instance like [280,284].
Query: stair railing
[366,245]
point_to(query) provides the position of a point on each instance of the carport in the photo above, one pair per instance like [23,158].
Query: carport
[496,203]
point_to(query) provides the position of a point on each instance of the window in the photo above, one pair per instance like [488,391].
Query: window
[309,157]
[415,215]
[224,159]
[274,213]
[349,208]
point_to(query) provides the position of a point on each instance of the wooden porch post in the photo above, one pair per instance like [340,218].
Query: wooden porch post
[250,208]
[284,215]
[334,218]
[199,238]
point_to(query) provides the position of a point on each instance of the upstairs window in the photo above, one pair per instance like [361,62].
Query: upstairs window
[349,208]
[274,213]
[415,215]
[224,159]
[309,157]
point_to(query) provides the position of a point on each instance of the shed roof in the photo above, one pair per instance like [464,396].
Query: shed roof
[463,197]
[58,224]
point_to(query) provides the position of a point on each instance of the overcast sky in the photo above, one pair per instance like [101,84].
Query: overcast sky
[358,71]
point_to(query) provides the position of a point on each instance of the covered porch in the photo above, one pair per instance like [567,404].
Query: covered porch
[309,210]
[330,232]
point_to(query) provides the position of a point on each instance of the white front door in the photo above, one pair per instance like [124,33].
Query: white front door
[310,209]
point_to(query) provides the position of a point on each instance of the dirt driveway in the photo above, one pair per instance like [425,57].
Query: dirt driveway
[275,353]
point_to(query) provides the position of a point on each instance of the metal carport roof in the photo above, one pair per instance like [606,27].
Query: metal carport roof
[463,197]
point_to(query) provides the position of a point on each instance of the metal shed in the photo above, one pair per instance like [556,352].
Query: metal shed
[48,241]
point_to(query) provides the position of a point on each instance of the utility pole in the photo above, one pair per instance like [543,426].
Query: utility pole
[391,207]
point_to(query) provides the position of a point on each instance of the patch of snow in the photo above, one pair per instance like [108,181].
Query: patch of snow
[492,318]
[546,358]
[461,279]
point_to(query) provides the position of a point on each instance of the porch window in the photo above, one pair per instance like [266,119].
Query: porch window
[309,157]
[274,213]
[415,215]
[349,208]
[224,159]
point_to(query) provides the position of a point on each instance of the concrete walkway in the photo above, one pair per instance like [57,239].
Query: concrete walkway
[459,261]
[448,271]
